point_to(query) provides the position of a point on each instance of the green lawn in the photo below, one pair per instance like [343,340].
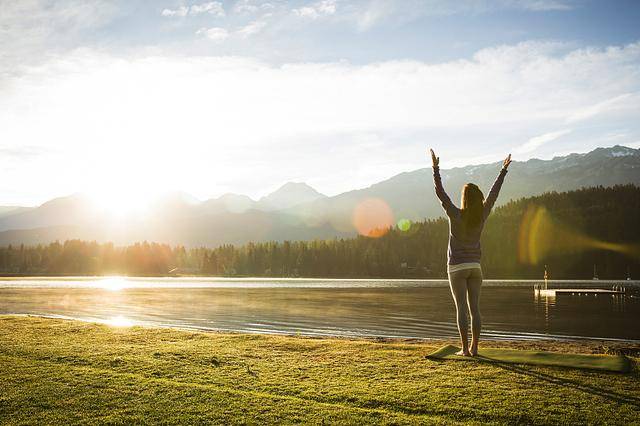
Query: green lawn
[56,371]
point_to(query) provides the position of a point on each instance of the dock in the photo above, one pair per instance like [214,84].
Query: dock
[578,292]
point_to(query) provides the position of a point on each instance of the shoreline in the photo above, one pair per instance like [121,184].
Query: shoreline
[265,278]
[199,278]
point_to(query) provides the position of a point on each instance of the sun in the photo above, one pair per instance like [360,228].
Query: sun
[119,201]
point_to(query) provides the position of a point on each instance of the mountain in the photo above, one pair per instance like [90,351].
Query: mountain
[289,195]
[557,243]
[9,210]
[410,195]
[233,203]
[75,209]
[297,211]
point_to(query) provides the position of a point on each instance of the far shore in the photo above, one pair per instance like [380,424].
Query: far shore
[240,277]
[63,371]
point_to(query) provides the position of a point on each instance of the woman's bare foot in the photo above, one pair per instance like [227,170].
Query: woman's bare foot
[474,350]
[463,353]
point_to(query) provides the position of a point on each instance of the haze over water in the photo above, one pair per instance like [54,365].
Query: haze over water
[368,308]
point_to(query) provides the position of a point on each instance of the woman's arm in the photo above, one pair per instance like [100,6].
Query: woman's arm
[447,205]
[495,189]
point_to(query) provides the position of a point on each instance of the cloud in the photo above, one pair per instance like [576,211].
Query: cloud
[23,152]
[33,30]
[252,6]
[213,8]
[537,141]
[245,6]
[366,15]
[544,5]
[252,28]
[181,11]
[378,10]
[239,124]
[602,107]
[317,10]
[219,35]
[215,34]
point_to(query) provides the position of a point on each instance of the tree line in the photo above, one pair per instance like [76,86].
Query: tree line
[572,233]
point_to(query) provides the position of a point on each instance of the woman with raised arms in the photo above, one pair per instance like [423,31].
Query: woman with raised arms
[464,254]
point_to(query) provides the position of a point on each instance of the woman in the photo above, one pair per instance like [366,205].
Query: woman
[465,228]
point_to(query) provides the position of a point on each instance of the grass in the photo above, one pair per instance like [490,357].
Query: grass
[58,371]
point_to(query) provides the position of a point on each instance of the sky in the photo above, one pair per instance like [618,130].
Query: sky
[127,99]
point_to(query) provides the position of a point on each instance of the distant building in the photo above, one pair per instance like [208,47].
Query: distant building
[185,271]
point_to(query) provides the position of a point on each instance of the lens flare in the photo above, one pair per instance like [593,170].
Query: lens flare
[404,225]
[542,236]
[372,217]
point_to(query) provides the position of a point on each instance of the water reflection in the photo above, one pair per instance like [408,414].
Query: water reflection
[348,308]
[619,302]
[544,303]
[119,321]
[113,283]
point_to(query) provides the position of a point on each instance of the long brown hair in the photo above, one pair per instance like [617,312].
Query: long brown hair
[472,205]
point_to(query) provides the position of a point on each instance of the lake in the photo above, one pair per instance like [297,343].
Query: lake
[371,308]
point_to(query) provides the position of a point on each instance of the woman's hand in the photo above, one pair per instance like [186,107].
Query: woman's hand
[434,160]
[505,163]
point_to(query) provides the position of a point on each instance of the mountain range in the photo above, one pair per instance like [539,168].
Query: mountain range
[296,211]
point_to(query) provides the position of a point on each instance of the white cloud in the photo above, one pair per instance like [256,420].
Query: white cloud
[245,8]
[218,34]
[537,141]
[237,124]
[252,28]
[213,8]
[306,12]
[215,34]
[368,14]
[602,107]
[544,5]
[181,11]
[377,10]
[317,10]
[33,30]
[252,6]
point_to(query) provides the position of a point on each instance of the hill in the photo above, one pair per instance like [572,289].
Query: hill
[296,211]
[570,232]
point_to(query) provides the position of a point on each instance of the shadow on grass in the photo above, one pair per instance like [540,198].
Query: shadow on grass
[574,384]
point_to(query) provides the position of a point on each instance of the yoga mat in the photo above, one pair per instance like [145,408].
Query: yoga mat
[617,363]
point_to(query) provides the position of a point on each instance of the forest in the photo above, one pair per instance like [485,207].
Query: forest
[574,234]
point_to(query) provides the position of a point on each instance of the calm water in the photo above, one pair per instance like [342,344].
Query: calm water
[383,308]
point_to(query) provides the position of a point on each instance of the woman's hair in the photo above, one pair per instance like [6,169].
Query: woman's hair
[472,205]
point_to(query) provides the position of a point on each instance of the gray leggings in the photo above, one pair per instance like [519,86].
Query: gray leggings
[465,286]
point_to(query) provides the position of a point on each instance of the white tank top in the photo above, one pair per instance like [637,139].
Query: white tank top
[461,266]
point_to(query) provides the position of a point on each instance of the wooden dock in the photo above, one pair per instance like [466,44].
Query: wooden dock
[578,292]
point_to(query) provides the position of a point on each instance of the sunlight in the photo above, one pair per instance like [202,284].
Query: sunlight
[119,321]
[113,283]
[118,203]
